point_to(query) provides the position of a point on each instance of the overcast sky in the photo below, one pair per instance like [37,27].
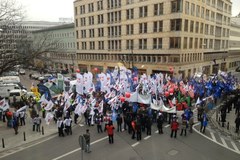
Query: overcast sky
[52,10]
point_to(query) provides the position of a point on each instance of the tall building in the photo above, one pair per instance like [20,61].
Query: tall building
[170,36]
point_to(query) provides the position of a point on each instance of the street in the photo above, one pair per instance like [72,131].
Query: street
[154,147]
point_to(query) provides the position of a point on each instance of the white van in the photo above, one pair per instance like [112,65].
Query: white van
[10,79]
[17,93]
[6,88]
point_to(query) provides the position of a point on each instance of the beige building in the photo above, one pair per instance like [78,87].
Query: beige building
[153,35]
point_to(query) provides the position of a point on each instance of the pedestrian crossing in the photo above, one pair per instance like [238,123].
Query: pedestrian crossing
[218,138]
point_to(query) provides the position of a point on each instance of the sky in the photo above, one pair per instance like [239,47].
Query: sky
[52,10]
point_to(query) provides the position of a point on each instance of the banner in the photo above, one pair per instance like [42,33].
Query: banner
[48,118]
[49,106]
[145,99]
[4,104]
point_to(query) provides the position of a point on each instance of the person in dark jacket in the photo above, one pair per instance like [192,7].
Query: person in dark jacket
[237,122]
[149,126]
[119,123]
[87,140]
[160,123]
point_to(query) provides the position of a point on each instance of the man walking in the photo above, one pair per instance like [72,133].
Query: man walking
[119,123]
[87,140]
[68,125]
[22,118]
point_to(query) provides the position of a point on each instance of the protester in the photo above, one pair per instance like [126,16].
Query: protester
[110,130]
[22,118]
[160,123]
[237,122]
[68,125]
[60,126]
[184,126]
[15,124]
[119,123]
[174,127]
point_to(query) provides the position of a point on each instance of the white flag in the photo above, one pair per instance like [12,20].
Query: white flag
[48,118]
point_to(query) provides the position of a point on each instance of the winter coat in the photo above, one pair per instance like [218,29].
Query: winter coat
[174,125]
[110,129]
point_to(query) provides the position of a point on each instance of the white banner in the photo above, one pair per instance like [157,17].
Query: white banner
[49,106]
[145,99]
[48,118]
[4,105]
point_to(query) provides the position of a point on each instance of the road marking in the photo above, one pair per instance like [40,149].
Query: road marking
[167,125]
[23,148]
[156,131]
[220,144]
[68,153]
[234,146]
[213,137]
[224,142]
[81,125]
[147,137]
[137,143]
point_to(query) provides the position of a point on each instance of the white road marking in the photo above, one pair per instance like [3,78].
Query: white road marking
[224,142]
[81,125]
[167,125]
[66,154]
[137,143]
[234,146]
[147,137]
[28,146]
[213,137]
[156,131]
[220,144]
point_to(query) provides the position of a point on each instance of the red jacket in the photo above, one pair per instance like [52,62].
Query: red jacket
[110,129]
[174,125]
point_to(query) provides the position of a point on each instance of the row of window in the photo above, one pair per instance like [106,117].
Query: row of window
[157,43]
[175,25]
[61,35]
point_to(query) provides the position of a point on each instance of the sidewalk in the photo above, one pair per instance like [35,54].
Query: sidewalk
[11,140]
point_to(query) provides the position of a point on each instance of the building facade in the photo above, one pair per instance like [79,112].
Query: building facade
[234,42]
[63,37]
[179,36]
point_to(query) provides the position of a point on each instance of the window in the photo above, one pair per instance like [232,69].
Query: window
[190,43]
[157,43]
[91,20]
[206,29]
[143,11]
[100,45]
[176,6]
[207,14]
[130,14]
[91,32]
[100,5]
[84,45]
[187,7]
[114,16]
[90,7]
[157,26]
[100,32]
[202,12]
[158,9]
[129,29]
[142,43]
[92,45]
[175,42]
[211,30]
[197,27]
[198,11]
[77,35]
[192,9]
[76,11]
[82,9]
[201,28]
[129,44]
[196,43]
[100,19]
[186,26]
[191,26]
[143,28]
[83,33]
[176,24]
[211,44]
[130,1]
[185,43]
[83,22]
[76,22]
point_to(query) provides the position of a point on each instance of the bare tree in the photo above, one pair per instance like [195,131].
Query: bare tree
[17,46]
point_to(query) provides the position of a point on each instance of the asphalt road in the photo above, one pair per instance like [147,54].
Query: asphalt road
[154,147]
